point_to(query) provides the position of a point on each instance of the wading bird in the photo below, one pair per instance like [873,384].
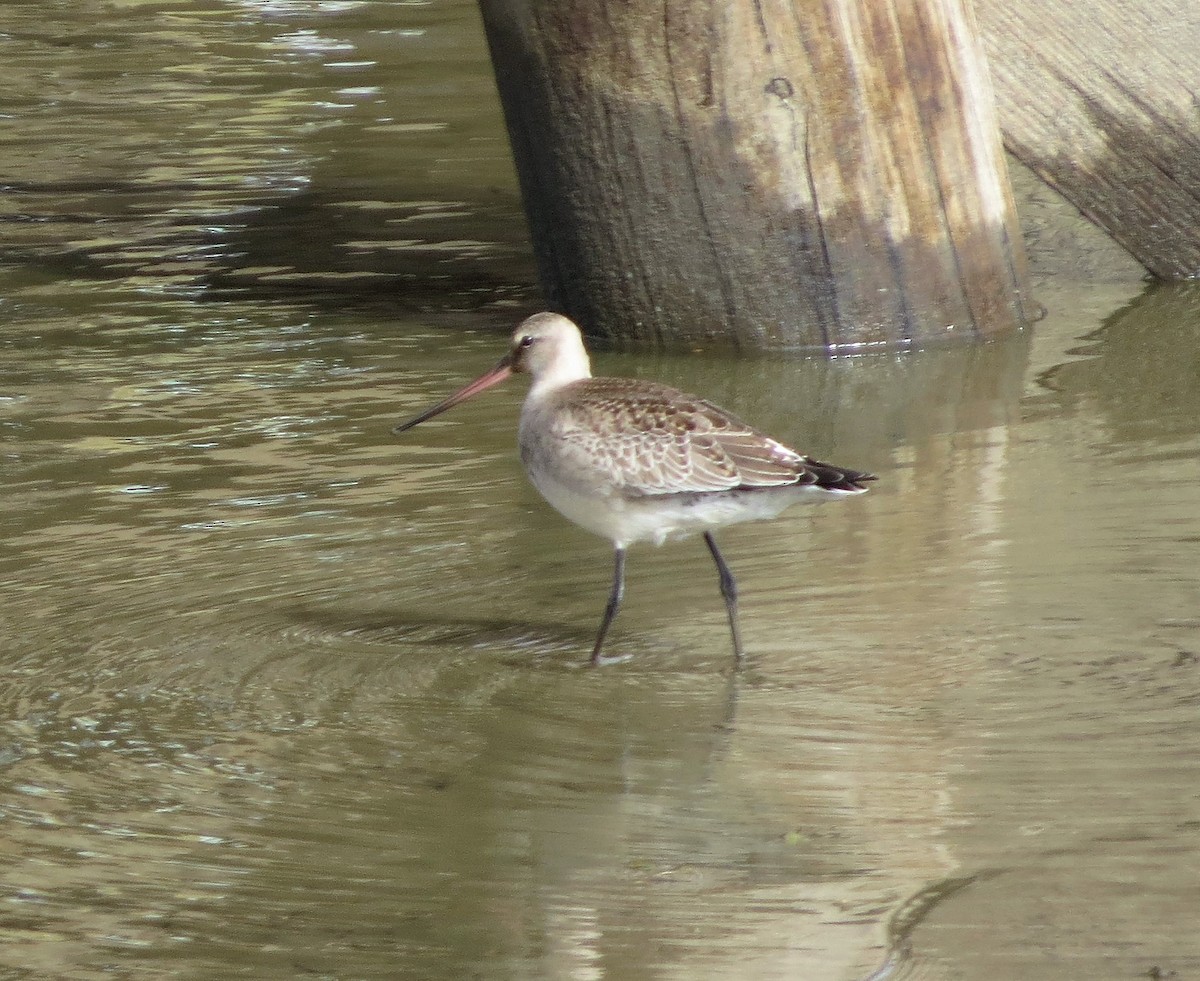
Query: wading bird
[632,460]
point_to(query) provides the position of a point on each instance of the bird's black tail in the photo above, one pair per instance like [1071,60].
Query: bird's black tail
[828,477]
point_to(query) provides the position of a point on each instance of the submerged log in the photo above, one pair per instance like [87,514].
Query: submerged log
[816,173]
[1099,97]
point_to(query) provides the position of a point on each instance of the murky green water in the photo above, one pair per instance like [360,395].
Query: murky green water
[285,696]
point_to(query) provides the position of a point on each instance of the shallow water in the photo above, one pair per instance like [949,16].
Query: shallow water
[286,696]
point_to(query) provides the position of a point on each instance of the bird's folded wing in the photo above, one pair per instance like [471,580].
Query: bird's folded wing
[654,446]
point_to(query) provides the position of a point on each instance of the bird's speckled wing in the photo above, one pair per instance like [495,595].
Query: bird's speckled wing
[641,438]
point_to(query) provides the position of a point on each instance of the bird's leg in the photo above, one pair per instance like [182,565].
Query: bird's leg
[728,592]
[614,602]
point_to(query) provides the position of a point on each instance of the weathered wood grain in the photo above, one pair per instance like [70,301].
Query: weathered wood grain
[1100,98]
[818,173]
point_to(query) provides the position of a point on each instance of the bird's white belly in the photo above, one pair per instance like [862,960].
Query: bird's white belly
[657,518]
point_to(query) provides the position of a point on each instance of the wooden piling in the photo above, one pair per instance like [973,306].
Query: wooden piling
[807,174]
[1099,99]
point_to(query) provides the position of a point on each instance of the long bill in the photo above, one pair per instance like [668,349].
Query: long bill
[498,374]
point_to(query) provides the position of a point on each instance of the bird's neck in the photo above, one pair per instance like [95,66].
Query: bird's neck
[571,366]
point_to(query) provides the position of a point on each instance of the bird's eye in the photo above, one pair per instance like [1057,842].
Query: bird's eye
[526,341]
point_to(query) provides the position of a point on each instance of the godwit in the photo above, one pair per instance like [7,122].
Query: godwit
[632,460]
